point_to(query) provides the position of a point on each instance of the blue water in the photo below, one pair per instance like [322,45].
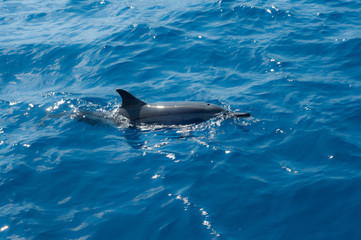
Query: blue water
[291,171]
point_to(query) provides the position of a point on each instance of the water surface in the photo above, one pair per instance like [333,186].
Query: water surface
[291,171]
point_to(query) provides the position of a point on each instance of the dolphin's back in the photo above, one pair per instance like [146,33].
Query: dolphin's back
[169,113]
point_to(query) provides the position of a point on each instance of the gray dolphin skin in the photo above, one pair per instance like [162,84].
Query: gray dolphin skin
[169,113]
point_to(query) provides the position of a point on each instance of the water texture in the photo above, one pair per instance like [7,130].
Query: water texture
[291,171]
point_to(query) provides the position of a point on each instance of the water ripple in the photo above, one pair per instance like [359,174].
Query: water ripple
[70,167]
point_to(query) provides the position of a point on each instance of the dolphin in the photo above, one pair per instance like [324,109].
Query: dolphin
[169,113]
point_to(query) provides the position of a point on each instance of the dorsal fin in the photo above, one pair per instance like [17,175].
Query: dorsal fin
[129,100]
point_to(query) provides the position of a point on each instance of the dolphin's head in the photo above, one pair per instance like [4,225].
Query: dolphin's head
[212,108]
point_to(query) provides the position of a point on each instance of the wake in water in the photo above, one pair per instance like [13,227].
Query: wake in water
[103,112]
[113,118]
[101,118]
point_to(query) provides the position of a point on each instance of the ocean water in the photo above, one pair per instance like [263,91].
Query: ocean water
[291,171]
